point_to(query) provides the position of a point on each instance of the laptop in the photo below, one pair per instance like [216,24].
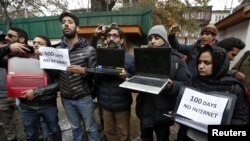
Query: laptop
[152,66]
[202,125]
[24,73]
[110,61]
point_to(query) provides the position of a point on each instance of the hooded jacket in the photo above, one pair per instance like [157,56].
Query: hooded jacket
[219,81]
[150,108]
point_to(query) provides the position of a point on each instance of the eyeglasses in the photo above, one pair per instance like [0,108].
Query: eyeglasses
[113,35]
[11,36]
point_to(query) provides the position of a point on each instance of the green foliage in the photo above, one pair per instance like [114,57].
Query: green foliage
[31,8]
[169,12]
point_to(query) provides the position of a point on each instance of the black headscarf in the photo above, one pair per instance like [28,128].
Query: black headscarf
[215,81]
[219,59]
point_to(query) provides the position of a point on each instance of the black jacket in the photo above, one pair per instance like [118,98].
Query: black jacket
[73,86]
[4,51]
[109,94]
[45,96]
[218,81]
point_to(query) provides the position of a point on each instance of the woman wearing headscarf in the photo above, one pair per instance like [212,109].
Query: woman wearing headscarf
[212,67]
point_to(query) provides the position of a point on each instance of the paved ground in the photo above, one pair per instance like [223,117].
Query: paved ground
[135,135]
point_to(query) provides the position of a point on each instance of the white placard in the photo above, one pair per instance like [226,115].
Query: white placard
[52,58]
[200,107]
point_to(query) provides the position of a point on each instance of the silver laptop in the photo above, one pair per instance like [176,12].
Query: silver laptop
[152,66]
[203,127]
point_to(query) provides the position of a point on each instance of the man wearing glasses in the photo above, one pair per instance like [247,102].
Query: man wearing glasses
[16,40]
[115,101]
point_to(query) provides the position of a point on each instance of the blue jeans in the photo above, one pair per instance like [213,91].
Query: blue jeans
[78,110]
[32,123]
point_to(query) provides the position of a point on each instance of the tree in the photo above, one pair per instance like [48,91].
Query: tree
[102,5]
[12,9]
[169,12]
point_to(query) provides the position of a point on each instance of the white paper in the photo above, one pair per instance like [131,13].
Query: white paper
[200,107]
[52,58]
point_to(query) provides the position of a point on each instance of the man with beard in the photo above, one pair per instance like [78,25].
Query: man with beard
[10,118]
[74,83]
[115,101]
[208,37]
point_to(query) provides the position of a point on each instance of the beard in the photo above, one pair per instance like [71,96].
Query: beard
[112,45]
[70,35]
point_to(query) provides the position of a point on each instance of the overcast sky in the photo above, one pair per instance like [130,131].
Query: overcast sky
[217,4]
[220,4]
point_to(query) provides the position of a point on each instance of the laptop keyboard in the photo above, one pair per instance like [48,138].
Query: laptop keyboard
[105,71]
[145,81]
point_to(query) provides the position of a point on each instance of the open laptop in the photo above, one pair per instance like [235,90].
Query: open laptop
[110,61]
[24,73]
[152,66]
[202,126]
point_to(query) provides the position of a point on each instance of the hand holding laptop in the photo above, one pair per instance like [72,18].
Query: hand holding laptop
[169,84]
[123,74]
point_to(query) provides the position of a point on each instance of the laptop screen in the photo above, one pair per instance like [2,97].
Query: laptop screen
[153,60]
[110,57]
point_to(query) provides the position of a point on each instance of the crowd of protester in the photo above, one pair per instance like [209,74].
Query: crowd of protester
[206,68]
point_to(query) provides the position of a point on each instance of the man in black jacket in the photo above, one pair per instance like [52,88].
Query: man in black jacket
[41,103]
[150,108]
[115,101]
[74,83]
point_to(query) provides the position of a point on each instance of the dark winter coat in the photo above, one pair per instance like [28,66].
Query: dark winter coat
[73,86]
[110,95]
[190,50]
[219,81]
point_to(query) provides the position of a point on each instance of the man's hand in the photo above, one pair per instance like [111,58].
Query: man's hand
[174,29]
[99,31]
[76,69]
[18,48]
[169,84]
[239,76]
[28,94]
[123,74]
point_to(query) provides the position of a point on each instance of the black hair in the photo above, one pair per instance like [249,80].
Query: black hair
[2,37]
[48,43]
[21,33]
[229,43]
[68,14]
[115,27]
